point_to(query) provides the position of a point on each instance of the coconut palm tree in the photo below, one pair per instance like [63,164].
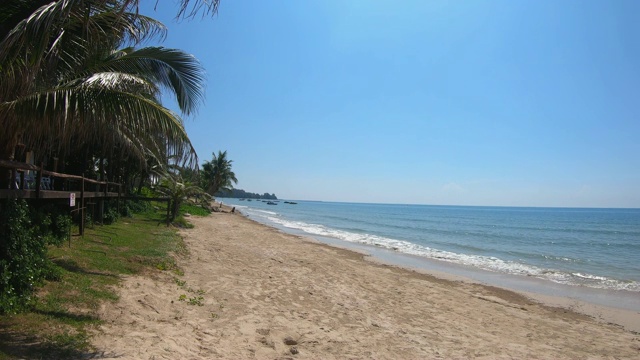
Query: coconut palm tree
[217,174]
[62,84]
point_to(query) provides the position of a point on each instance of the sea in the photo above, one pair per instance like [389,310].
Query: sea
[564,248]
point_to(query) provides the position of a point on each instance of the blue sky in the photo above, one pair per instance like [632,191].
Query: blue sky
[511,103]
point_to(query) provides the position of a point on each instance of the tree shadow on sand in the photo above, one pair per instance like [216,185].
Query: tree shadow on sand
[73,267]
[15,344]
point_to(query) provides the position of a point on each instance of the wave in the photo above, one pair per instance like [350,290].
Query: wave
[258,212]
[479,261]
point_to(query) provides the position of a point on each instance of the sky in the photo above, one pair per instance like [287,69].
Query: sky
[498,103]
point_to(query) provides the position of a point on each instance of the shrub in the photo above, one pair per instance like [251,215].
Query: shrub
[22,256]
[110,216]
[52,222]
[134,207]
[23,262]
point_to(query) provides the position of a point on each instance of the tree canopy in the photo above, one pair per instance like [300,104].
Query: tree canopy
[73,79]
[217,174]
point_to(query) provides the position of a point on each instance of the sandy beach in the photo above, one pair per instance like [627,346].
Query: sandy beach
[250,291]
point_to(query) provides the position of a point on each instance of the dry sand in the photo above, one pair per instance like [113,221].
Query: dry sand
[261,288]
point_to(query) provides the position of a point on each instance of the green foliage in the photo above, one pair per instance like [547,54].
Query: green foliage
[196,300]
[57,327]
[22,257]
[181,222]
[134,207]
[88,219]
[23,262]
[192,209]
[110,216]
[241,194]
[179,191]
[217,174]
[147,192]
[130,207]
[60,229]
[52,222]
[56,89]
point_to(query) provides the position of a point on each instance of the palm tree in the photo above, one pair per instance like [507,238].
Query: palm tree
[179,191]
[61,82]
[217,174]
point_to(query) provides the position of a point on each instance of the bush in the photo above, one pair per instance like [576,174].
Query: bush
[134,207]
[23,262]
[52,222]
[22,256]
[192,209]
[110,216]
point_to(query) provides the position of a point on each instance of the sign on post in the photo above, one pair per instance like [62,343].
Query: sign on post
[72,199]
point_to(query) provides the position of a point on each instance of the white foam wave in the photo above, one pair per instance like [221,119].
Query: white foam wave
[259,212]
[483,262]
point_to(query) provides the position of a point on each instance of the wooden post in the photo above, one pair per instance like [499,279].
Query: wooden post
[118,201]
[55,169]
[168,211]
[39,180]
[22,182]
[14,175]
[100,211]
[81,212]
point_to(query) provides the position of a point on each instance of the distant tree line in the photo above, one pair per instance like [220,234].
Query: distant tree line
[241,194]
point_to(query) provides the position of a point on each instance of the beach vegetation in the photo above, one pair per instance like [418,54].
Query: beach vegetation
[217,175]
[56,320]
[193,209]
[90,97]
[241,194]
[196,300]
[24,264]
[179,191]
[80,93]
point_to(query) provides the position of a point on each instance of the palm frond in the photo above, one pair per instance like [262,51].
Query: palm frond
[191,8]
[175,70]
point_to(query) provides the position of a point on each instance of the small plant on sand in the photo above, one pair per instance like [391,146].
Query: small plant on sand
[182,297]
[196,301]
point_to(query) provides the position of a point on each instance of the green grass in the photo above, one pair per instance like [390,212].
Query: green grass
[194,210]
[57,325]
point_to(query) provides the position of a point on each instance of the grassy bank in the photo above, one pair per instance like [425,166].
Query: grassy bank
[57,325]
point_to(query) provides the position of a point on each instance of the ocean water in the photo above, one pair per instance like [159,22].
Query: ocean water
[593,248]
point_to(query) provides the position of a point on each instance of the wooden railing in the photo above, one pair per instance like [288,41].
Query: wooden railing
[20,181]
[43,186]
